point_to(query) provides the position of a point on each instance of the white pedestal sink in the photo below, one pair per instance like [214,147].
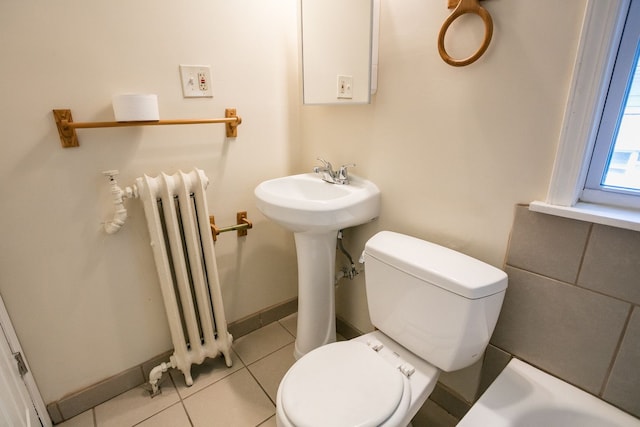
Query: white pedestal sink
[315,211]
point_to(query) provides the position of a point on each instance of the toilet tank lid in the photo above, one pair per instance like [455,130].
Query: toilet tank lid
[437,265]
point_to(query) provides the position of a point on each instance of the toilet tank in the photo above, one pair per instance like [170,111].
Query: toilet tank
[438,303]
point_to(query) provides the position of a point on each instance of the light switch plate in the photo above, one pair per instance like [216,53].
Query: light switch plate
[196,81]
[345,87]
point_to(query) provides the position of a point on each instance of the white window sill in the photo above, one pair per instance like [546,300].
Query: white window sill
[599,214]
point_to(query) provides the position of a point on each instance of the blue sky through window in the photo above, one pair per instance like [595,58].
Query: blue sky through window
[623,165]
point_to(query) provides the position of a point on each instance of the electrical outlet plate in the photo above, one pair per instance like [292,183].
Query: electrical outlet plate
[345,87]
[196,81]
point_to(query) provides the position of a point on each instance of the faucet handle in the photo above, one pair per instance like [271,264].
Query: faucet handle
[325,163]
[343,175]
[343,168]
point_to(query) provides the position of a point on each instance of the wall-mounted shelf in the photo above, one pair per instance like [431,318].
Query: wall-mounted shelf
[67,127]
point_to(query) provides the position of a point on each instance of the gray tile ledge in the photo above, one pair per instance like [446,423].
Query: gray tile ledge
[547,245]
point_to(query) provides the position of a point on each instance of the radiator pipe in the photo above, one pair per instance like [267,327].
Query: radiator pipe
[118,194]
[156,374]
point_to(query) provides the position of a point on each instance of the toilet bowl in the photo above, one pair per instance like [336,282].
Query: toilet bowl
[364,388]
[434,308]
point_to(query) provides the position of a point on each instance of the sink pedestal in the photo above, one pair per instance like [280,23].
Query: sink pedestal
[314,210]
[316,254]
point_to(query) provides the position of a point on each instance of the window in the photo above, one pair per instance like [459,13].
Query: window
[613,176]
[572,192]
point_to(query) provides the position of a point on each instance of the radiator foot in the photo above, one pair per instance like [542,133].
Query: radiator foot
[227,354]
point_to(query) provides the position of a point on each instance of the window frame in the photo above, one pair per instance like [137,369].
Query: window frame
[601,33]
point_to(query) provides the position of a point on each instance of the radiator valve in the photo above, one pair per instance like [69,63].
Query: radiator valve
[117,194]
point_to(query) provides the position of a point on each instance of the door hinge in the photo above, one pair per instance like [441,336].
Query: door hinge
[22,367]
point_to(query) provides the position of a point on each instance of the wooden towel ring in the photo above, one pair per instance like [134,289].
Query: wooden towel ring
[466,6]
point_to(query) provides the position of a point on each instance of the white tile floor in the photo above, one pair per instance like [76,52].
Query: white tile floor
[241,396]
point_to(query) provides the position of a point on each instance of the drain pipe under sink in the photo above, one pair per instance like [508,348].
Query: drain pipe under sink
[349,272]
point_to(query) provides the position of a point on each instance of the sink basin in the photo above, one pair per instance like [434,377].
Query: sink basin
[315,211]
[306,203]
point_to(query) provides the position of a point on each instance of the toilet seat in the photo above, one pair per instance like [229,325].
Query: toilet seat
[360,389]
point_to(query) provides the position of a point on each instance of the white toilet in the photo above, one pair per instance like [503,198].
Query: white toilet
[434,308]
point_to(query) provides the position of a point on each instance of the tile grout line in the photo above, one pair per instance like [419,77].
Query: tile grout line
[616,351]
[270,353]
[582,257]
[594,291]
[261,388]
[163,409]
[263,357]
[181,399]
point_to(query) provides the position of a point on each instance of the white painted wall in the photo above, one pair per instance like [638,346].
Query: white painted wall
[452,149]
[87,305]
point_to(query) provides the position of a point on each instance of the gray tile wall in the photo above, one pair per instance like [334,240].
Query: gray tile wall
[572,307]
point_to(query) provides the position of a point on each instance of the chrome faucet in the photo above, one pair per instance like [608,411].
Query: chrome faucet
[341,176]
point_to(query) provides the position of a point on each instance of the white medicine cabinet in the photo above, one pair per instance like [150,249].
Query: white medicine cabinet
[339,46]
